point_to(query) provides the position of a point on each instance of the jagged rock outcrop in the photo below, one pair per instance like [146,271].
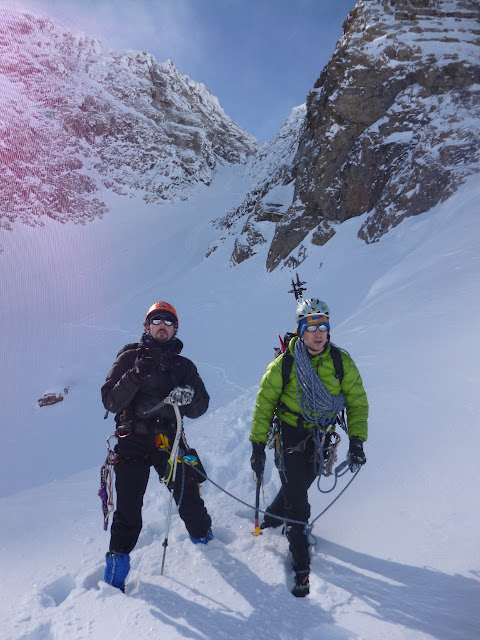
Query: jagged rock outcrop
[271,193]
[392,127]
[392,124]
[76,119]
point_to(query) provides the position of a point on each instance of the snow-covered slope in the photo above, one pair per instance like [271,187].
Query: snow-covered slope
[397,555]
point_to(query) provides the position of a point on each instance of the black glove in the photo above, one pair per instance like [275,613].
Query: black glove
[355,455]
[257,461]
[143,367]
[181,395]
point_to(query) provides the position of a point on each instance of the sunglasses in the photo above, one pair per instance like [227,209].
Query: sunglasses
[313,327]
[160,320]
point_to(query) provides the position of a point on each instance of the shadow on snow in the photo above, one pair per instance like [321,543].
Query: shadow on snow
[445,606]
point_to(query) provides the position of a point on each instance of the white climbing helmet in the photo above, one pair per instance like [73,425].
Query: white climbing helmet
[311,307]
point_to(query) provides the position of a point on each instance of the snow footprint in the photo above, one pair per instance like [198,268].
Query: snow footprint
[42,632]
[53,594]
[91,580]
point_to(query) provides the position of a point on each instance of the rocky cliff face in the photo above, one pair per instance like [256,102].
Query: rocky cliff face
[76,119]
[392,127]
[271,173]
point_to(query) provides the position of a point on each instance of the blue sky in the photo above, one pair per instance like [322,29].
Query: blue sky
[259,57]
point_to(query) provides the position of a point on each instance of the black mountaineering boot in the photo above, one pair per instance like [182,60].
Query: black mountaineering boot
[302,584]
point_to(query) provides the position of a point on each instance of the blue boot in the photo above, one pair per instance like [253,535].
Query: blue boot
[116,571]
[204,539]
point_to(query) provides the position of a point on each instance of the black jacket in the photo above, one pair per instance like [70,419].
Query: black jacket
[128,397]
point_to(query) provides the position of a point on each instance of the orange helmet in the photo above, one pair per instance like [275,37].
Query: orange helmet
[164,307]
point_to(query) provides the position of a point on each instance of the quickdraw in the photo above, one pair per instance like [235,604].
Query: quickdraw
[274,441]
[329,453]
[106,484]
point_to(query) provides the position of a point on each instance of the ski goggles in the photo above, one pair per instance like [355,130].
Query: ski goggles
[169,323]
[313,327]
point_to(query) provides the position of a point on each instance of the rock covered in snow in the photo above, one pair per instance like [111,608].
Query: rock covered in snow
[52,397]
[76,119]
[271,193]
[393,123]
[392,127]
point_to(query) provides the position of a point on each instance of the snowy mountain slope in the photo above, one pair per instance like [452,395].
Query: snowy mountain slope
[71,296]
[267,200]
[396,557]
[77,120]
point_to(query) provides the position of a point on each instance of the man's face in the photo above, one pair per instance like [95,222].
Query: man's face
[161,332]
[314,339]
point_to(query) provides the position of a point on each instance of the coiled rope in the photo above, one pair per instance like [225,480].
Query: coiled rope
[316,403]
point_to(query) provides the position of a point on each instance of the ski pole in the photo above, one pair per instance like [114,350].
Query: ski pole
[171,473]
[257,531]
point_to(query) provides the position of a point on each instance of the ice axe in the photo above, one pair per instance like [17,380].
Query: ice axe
[257,531]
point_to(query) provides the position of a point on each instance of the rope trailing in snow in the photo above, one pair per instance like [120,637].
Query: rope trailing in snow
[339,471]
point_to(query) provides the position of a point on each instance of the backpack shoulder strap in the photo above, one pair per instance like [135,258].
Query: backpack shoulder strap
[336,354]
[287,364]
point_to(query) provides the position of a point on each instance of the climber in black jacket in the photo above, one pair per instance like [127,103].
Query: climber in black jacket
[143,375]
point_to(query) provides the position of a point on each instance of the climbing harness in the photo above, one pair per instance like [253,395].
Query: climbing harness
[184,455]
[106,488]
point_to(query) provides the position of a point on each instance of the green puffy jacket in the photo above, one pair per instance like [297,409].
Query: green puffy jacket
[270,395]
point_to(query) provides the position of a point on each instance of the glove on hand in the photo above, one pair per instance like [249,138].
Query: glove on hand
[355,456]
[257,461]
[181,395]
[143,367]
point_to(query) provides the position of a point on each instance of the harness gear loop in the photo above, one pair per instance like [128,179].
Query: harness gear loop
[122,432]
[328,452]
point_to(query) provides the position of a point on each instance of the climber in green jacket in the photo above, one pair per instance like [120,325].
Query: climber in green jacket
[308,402]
